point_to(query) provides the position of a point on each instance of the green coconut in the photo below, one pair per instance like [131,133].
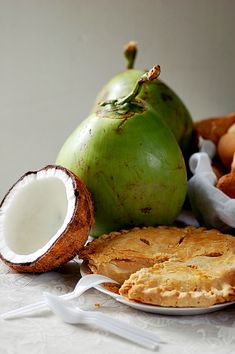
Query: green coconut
[130,162]
[167,105]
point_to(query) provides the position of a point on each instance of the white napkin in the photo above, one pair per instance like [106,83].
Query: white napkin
[211,206]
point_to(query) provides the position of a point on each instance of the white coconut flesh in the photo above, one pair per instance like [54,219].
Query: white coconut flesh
[36,211]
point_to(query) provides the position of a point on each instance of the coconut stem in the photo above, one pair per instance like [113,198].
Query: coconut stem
[149,76]
[130,52]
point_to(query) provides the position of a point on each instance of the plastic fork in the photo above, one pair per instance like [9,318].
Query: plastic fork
[75,315]
[85,283]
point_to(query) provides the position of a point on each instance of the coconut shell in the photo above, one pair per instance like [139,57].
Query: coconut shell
[68,244]
[213,128]
[227,184]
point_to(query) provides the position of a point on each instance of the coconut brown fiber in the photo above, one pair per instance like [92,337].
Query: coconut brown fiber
[68,244]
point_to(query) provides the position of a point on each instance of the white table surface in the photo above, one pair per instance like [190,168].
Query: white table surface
[45,333]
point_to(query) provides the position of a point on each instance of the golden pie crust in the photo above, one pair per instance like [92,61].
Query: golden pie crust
[167,266]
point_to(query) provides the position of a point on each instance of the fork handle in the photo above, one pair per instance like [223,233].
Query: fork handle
[24,310]
[124,333]
[40,305]
[130,328]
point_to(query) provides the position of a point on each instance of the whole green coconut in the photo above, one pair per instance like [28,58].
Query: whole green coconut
[167,105]
[130,162]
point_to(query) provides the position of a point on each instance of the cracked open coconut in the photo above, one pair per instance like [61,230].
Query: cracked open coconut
[45,219]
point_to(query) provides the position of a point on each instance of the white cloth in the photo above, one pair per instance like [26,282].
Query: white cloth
[210,205]
[44,333]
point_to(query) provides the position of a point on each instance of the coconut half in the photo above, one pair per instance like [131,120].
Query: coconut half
[45,219]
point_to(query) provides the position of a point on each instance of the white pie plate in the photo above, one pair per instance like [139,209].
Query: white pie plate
[169,311]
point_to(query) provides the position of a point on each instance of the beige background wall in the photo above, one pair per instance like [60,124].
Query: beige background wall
[56,54]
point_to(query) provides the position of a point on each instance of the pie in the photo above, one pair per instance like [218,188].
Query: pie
[167,266]
[197,282]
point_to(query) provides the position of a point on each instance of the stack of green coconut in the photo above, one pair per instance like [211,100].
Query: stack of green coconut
[130,151]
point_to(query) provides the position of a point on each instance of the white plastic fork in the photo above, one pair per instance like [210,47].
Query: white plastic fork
[75,315]
[85,283]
